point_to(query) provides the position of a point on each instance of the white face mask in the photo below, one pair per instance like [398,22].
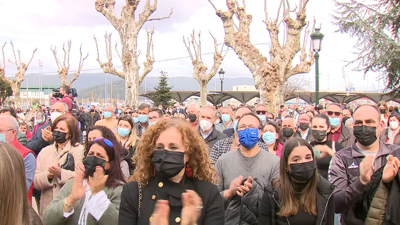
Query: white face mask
[394,125]
[55,115]
[205,125]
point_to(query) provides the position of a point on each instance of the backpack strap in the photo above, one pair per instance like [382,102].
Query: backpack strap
[140,197]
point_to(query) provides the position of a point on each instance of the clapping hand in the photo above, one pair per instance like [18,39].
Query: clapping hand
[391,169]
[232,191]
[55,170]
[78,189]
[366,169]
[47,135]
[98,181]
[243,189]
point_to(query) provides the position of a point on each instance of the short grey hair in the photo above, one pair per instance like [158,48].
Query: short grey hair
[197,106]
[66,108]
[227,107]
[143,106]
[209,107]
[12,122]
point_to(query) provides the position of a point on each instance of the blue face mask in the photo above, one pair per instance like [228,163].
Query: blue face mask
[290,110]
[335,122]
[225,118]
[107,115]
[123,132]
[135,120]
[248,137]
[143,118]
[152,123]
[269,138]
[119,111]
[262,117]
[3,138]
[235,125]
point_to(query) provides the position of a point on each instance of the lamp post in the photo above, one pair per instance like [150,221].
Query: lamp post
[316,38]
[221,77]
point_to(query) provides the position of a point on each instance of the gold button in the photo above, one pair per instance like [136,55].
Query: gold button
[151,219]
[178,219]
[161,184]
[153,197]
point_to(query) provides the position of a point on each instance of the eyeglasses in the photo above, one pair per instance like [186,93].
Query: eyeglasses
[106,141]
[330,113]
[250,126]
[261,112]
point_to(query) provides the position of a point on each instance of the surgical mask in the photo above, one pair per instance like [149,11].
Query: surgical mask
[3,137]
[365,135]
[54,116]
[304,126]
[262,117]
[119,111]
[123,132]
[91,162]
[168,163]
[269,137]
[302,171]
[335,122]
[107,115]
[143,118]
[235,125]
[217,121]
[248,138]
[135,120]
[192,118]
[205,125]
[59,137]
[394,125]
[318,135]
[225,118]
[152,123]
[290,110]
[39,121]
[288,132]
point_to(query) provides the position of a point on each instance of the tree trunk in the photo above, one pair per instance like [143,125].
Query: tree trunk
[16,92]
[203,92]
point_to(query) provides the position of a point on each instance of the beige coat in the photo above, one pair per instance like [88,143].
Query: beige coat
[50,157]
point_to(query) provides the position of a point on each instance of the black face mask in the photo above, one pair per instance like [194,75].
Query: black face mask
[288,132]
[304,126]
[302,171]
[365,135]
[383,111]
[59,137]
[92,110]
[192,117]
[168,163]
[91,162]
[318,135]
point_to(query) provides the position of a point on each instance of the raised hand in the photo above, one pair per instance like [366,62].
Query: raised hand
[366,169]
[192,206]
[78,189]
[98,181]
[161,213]
[246,187]
[233,187]
[391,169]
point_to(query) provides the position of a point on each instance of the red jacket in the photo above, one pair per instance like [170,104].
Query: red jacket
[24,152]
[28,135]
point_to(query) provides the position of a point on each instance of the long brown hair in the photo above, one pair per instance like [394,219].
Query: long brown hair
[308,196]
[197,151]
[73,129]
[14,205]
[132,135]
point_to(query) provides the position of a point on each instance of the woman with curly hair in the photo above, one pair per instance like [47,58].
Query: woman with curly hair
[172,159]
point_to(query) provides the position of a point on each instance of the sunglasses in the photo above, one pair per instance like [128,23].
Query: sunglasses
[330,113]
[261,112]
[106,141]
[130,113]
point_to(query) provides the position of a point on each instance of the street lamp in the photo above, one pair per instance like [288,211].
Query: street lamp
[221,77]
[316,39]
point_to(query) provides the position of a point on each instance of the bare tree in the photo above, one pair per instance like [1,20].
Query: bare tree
[269,75]
[128,27]
[200,70]
[295,84]
[19,75]
[62,68]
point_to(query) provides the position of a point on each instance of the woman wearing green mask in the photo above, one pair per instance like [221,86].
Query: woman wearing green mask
[324,149]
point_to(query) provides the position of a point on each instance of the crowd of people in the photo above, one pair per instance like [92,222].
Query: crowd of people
[332,164]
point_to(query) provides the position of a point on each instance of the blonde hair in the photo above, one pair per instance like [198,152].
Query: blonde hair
[197,151]
[133,136]
[14,206]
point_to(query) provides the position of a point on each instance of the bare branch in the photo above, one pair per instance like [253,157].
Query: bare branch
[148,65]
[107,9]
[215,8]
[116,50]
[107,66]
[15,56]
[161,18]
[55,57]
[4,58]
[81,61]
[34,51]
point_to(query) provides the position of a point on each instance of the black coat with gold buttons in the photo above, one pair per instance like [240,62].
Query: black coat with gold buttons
[164,189]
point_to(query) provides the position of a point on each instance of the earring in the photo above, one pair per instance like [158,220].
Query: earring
[189,171]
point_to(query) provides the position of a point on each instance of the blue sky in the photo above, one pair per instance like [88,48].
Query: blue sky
[43,23]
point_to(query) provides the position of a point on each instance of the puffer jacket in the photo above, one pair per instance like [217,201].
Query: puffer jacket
[381,203]
[245,210]
[270,205]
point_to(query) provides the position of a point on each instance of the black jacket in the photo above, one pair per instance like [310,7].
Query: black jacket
[270,205]
[229,132]
[158,188]
[37,143]
[213,138]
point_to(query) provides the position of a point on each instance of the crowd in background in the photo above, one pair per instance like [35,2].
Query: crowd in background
[328,164]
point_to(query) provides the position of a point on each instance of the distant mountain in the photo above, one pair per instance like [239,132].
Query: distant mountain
[99,83]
